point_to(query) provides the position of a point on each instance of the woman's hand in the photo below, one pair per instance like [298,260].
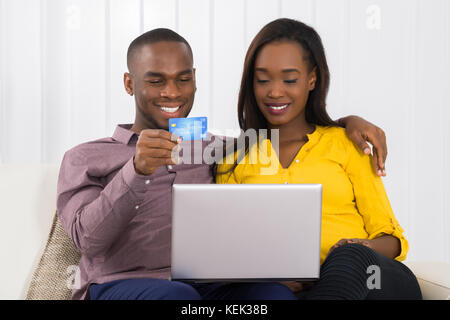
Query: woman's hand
[361,131]
[385,244]
[364,242]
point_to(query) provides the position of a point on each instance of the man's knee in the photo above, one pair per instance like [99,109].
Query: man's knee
[144,289]
[175,290]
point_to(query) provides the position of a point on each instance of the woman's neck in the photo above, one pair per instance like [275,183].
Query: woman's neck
[294,130]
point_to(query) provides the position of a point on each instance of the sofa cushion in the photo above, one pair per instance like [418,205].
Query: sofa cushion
[433,278]
[53,276]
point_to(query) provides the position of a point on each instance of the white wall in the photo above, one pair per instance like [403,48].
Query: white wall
[62,61]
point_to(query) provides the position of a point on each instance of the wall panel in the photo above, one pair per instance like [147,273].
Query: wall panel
[228,51]
[428,134]
[21,90]
[124,26]
[195,24]
[62,65]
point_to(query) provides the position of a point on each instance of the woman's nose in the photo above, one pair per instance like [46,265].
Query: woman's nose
[275,91]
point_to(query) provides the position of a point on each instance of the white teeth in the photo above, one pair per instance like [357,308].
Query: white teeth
[278,108]
[170,110]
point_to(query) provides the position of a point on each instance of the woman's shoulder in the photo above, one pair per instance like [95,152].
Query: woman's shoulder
[336,137]
[337,141]
[333,133]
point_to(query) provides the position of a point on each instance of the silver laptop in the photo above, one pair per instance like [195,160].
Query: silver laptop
[246,232]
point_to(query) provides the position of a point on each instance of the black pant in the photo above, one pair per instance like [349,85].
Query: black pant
[356,272]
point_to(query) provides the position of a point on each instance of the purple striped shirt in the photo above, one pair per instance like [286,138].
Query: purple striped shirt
[119,220]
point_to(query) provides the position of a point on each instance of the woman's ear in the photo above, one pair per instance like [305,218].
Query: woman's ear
[128,83]
[312,79]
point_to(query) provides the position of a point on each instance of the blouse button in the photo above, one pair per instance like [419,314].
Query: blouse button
[296,160]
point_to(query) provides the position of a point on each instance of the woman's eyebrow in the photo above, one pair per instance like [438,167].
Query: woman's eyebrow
[290,70]
[284,70]
[261,69]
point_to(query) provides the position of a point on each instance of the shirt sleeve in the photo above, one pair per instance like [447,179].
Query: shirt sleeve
[93,214]
[371,198]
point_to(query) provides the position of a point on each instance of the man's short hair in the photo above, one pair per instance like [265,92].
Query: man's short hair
[153,36]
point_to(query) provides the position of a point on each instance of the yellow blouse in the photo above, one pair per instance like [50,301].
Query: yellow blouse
[354,201]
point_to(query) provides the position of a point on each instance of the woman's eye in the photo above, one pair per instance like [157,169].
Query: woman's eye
[185,79]
[291,81]
[261,81]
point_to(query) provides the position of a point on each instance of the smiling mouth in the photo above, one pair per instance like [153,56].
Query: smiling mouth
[277,106]
[170,109]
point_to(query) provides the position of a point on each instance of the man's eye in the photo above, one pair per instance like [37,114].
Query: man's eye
[155,81]
[185,79]
[291,81]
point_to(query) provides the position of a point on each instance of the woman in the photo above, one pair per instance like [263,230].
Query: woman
[284,86]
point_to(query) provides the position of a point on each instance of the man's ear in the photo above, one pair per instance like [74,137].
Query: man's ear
[128,83]
[195,81]
[312,79]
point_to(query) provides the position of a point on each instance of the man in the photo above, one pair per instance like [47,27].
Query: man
[114,194]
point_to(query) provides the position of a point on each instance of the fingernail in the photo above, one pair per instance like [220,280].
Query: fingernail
[379,172]
[367,151]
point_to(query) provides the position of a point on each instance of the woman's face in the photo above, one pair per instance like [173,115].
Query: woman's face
[282,82]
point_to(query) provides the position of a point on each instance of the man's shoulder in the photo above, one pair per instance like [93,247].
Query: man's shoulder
[92,145]
[94,149]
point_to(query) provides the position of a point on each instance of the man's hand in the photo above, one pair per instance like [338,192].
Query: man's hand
[295,286]
[154,149]
[361,131]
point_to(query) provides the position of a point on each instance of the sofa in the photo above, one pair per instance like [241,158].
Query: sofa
[40,261]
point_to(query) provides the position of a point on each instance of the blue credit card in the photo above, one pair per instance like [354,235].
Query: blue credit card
[189,128]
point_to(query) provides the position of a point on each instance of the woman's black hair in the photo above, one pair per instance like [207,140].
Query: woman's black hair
[249,114]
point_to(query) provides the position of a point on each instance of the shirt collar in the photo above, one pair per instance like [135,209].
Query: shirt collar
[123,133]
[313,137]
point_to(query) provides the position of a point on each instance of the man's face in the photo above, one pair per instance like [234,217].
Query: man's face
[162,79]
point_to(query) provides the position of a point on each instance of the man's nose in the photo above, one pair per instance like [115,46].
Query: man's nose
[171,90]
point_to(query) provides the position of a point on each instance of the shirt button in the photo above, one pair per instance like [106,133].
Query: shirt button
[137,207]
[147,181]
